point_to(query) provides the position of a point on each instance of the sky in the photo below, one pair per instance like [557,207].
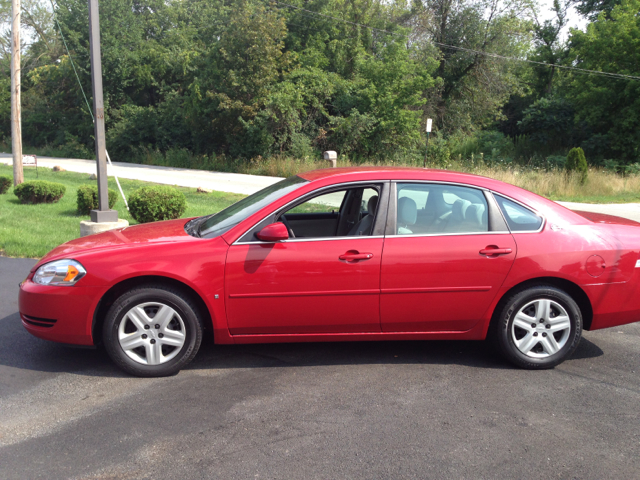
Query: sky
[575,19]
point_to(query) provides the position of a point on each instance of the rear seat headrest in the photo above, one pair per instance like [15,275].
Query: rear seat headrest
[474,214]
[459,209]
[407,211]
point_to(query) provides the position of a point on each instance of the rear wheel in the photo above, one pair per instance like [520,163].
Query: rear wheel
[152,331]
[539,327]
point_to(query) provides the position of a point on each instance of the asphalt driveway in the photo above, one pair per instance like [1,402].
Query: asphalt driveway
[334,410]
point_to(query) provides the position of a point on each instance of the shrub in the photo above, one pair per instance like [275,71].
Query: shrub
[5,183]
[576,162]
[557,162]
[39,191]
[154,203]
[633,169]
[611,165]
[88,198]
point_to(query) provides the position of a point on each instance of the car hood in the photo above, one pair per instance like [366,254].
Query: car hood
[146,233]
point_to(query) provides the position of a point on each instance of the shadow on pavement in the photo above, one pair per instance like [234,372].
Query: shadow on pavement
[586,349]
[19,349]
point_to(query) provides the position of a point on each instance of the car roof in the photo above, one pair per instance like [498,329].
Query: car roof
[406,173]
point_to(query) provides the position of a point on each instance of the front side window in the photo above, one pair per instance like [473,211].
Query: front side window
[327,203]
[519,218]
[224,220]
[438,209]
[348,212]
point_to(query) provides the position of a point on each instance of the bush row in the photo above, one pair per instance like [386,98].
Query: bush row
[88,198]
[39,191]
[157,202]
[5,183]
[147,204]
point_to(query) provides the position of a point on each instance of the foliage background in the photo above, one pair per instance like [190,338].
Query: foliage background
[215,84]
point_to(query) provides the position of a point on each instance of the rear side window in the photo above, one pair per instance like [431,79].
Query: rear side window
[439,209]
[519,218]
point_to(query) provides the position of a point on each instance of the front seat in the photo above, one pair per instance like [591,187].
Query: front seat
[407,215]
[363,227]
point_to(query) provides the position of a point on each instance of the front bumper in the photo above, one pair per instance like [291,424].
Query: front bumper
[60,314]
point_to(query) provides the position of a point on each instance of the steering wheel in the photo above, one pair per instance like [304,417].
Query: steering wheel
[284,220]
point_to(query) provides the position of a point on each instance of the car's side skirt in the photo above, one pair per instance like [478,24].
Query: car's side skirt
[473,334]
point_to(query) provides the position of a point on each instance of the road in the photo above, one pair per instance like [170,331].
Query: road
[244,184]
[183,177]
[394,410]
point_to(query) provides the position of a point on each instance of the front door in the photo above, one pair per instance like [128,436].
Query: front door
[325,279]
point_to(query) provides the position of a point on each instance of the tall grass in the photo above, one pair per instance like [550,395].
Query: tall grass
[601,186]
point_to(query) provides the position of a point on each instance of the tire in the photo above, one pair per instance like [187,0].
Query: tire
[538,327]
[152,331]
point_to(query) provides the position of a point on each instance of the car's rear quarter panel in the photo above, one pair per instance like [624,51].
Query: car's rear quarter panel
[563,252]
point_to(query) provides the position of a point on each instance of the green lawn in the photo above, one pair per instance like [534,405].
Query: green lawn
[33,230]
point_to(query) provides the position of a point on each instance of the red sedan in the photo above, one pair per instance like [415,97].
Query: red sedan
[342,255]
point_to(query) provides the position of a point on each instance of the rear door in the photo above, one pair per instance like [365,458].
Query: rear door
[446,253]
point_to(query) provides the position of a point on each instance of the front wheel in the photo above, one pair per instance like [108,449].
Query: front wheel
[539,327]
[152,331]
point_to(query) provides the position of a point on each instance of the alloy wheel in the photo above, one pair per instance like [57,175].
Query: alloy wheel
[541,328]
[151,333]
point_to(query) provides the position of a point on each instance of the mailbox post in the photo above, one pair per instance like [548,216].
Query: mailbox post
[332,157]
[426,153]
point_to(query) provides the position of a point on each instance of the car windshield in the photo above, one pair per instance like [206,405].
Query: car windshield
[219,223]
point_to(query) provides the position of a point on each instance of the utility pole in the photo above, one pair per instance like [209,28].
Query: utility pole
[103,214]
[16,128]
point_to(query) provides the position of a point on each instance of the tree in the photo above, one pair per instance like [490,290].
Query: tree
[610,107]
[592,8]
[475,87]
[538,81]
[549,47]
[550,123]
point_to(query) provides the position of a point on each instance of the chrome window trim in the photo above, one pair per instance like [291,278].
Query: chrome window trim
[319,192]
[544,219]
[440,182]
[493,192]
[448,234]
[317,239]
[370,182]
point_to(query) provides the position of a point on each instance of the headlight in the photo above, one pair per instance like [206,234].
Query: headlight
[59,273]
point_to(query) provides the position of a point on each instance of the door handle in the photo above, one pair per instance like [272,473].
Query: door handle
[352,256]
[491,250]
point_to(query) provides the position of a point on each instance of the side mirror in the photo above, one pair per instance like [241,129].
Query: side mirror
[274,232]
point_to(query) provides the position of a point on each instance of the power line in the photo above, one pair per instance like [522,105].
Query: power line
[470,50]
[55,17]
